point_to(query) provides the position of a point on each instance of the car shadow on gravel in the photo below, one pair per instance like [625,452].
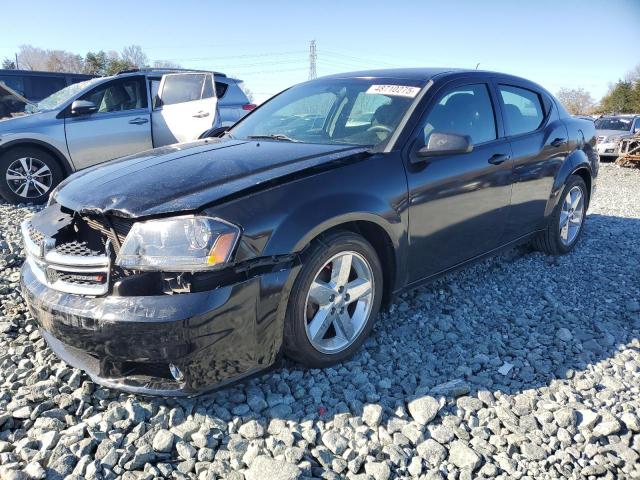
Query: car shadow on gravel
[508,324]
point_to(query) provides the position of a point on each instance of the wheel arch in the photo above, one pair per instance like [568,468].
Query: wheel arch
[50,149]
[381,242]
[577,163]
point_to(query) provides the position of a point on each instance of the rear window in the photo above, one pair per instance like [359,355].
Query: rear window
[221,89]
[182,88]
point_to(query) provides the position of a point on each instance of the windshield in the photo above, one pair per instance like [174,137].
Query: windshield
[616,123]
[61,96]
[332,111]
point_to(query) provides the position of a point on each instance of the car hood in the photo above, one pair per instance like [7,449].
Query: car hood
[186,177]
[25,121]
[610,133]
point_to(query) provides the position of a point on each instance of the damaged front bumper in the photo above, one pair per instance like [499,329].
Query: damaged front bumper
[180,344]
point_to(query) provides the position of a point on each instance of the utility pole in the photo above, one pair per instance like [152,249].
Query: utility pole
[17,67]
[312,60]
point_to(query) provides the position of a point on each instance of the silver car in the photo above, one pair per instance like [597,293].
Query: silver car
[233,103]
[610,129]
[98,120]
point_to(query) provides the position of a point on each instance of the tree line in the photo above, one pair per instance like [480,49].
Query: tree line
[94,63]
[622,97]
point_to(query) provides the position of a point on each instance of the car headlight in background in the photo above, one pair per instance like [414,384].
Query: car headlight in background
[613,139]
[178,244]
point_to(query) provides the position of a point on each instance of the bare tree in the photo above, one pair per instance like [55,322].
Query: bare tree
[577,101]
[32,58]
[166,64]
[63,61]
[134,55]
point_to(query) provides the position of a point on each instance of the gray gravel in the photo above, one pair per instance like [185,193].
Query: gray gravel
[523,366]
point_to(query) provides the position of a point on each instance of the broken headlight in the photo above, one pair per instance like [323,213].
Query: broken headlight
[178,244]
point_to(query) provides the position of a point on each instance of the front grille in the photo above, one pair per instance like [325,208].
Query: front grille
[75,247]
[107,226]
[36,236]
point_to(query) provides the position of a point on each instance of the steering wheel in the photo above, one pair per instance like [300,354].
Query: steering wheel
[379,128]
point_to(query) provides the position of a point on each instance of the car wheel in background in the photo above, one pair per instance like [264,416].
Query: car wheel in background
[567,222]
[334,300]
[27,175]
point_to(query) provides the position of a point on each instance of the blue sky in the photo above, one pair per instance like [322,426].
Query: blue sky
[561,43]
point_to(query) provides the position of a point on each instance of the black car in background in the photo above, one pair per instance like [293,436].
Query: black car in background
[189,266]
[35,85]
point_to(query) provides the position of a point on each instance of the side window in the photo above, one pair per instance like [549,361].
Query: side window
[522,109]
[465,110]
[14,82]
[636,127]
[119,95]
[221,89]
[180,88]
[154,88]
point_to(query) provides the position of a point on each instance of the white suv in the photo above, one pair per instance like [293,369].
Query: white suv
[98,120]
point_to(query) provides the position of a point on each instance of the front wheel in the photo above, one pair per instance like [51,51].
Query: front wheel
[27,175]
[566,224]
[334,300]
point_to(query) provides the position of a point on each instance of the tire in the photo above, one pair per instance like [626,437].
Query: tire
[552,239]
[13,165]
[321,263]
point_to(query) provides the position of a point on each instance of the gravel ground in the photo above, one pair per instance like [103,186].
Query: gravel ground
[523,366]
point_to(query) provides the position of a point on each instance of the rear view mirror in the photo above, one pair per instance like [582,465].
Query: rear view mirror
[83,107]
[446,144]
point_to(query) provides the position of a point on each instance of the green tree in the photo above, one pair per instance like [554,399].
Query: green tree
[8,64]
[619,99]
[95,63]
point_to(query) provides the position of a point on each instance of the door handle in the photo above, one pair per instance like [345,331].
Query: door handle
[558,141]
[139,121]
[499,158]
[201,115]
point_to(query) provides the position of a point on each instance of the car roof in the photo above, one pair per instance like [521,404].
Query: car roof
[424,74]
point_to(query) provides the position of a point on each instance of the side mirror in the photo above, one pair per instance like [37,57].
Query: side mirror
[83,107]
[214,132]
[445,144]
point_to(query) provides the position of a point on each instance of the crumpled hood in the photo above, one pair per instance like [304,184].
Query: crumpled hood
[185,177]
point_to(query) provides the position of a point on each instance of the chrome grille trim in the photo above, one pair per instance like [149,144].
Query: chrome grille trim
[41,261]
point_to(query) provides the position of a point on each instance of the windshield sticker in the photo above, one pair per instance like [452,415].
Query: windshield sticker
[394,90]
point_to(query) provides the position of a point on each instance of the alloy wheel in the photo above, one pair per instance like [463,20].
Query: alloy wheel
[339,302]
[571,215]
[29,177]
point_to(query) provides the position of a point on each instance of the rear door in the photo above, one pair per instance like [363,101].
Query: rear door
[120,127]
[458,203]
[539,142]
[184,108]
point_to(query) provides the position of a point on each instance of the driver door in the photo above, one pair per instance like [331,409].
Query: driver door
[184,107]
[458,203]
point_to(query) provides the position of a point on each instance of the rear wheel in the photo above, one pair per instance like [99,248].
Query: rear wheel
[27,175]
[566,224]
[334,300]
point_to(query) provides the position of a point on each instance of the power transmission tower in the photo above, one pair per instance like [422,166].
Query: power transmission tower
[312,60]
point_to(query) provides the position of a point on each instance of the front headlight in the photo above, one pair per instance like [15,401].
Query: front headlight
[178,244]
[613,139]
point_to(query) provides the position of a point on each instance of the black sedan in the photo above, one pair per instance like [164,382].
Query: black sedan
[190,266]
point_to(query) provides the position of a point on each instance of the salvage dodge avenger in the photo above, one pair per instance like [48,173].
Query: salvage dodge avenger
[193,265]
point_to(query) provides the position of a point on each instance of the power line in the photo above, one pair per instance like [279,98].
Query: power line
[312,60]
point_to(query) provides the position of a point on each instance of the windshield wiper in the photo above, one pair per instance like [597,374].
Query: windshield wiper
[274,136]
